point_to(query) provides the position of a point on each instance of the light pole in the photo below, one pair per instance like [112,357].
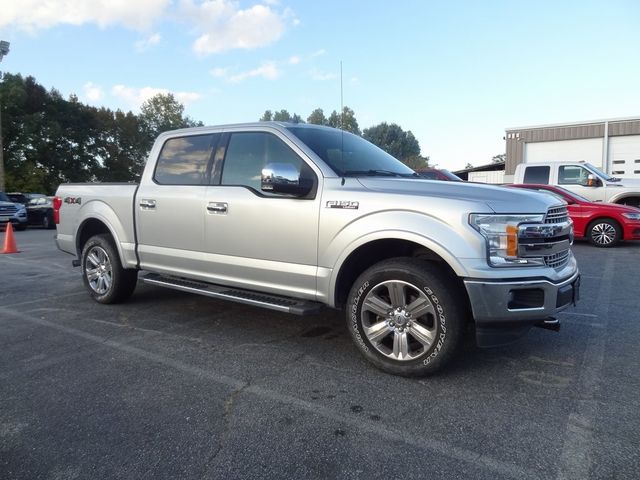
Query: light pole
[4,49]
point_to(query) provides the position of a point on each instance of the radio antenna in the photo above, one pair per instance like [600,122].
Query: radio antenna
[341,100]
[341,122]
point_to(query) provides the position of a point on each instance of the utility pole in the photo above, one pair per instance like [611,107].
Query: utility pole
[4,49]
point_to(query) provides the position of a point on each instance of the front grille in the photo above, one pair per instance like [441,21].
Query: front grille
[8,210]
[557,260]
[557,214]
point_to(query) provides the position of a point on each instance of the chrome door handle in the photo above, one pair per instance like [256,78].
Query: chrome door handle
[145,203]
[217,207]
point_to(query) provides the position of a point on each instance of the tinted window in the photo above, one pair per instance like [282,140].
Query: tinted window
[573,175]
[249,152]
[184,160]
[348,154]
[536,175]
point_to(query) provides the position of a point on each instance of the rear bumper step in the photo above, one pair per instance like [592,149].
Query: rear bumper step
[248,297]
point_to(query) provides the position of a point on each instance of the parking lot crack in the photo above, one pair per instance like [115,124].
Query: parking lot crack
[227,416]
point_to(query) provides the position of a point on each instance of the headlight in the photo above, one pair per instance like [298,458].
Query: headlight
[501,233]
[22,212]
[632,216]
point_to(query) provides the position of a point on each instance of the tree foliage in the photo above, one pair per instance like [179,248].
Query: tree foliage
[317,117]
[393,140]
[49,140]
[347,121]
[501,158]
[281,116]
[163,112]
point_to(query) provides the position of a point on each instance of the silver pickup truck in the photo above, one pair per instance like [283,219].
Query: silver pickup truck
[297,217]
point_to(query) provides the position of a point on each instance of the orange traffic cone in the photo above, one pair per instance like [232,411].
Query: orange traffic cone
[9,241]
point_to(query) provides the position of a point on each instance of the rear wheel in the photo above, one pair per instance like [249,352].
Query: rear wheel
[102,271]
[604,233]
[47,221]
[406,316]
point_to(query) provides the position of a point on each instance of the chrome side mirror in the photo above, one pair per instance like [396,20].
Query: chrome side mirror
[284,178]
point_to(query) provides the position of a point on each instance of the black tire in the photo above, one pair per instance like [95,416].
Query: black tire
[604,233]
[47,221]
[408,305]
[20,227]
[102,271]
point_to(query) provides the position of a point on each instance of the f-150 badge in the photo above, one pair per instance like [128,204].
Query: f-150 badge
[348,204]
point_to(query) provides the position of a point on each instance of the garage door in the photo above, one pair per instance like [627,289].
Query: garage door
[624,156]
[588,150]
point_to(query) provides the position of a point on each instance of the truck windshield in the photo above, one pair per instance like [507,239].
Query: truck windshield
[600,173]
[350,155]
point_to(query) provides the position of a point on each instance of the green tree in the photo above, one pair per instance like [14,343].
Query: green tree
[317,117]
[267,116]
[161,113]
[347,121]
[501,158]
[281,116]
[48,139]
[394,140]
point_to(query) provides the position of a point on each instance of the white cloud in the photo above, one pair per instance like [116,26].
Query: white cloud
[294,60]
[321,76]
[147,43]
[219,72]
[135,97]
[32,15]
[223,25]
[319,53]
[93,93]
[268,70]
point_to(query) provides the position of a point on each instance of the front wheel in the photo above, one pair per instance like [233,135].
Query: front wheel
[406,316]
[102,271]
[604,233]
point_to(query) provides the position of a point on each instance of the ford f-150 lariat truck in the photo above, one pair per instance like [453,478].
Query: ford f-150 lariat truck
[296,217]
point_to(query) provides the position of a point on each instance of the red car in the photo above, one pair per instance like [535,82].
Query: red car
[436,174]
[603,224]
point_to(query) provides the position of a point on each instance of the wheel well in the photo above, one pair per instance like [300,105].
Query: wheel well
[599,219]
[632,201]
[371,253]
[87,230]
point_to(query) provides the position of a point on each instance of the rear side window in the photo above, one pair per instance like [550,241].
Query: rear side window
[536,175]
[185,160]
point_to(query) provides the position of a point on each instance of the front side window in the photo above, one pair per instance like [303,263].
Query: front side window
[536,175]
[249,152]
[184,160]
[573,175]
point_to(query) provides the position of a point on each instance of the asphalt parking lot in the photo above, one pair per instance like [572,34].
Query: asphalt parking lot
[171,385]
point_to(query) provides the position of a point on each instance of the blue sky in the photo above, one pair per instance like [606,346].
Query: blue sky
[454,73]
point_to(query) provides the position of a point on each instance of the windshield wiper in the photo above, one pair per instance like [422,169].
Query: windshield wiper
[377,172]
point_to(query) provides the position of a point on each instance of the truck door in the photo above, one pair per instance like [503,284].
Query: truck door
[170,206]
[256,239]
[576,179]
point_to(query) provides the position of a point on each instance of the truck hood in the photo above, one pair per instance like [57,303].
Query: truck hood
[499,199]
[626,183]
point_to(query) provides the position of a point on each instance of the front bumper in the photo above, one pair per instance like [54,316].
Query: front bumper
[505,310]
